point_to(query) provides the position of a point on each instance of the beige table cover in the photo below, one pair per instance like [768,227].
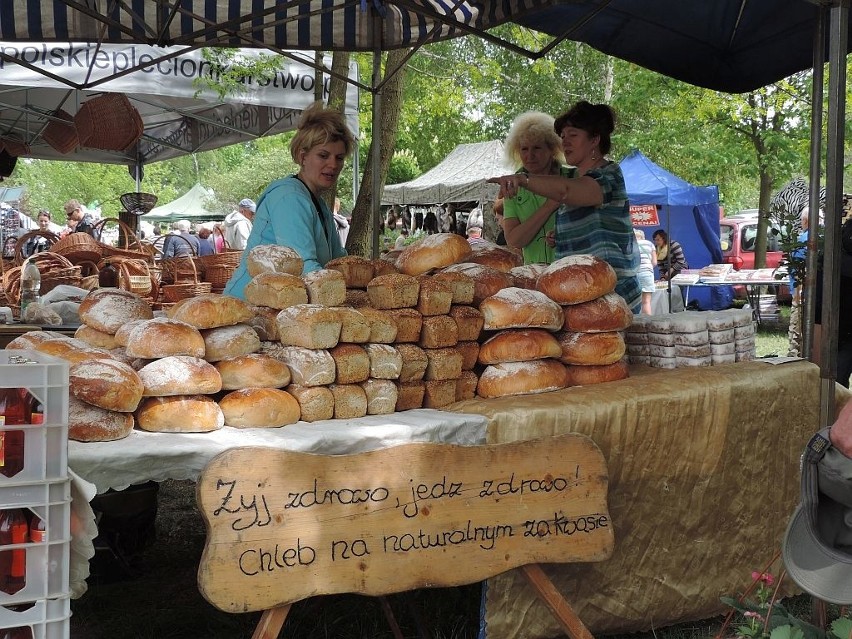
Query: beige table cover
[704,473]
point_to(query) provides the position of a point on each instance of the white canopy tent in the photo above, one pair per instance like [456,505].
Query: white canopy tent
[192,206]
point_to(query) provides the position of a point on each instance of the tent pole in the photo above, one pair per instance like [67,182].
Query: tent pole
[838,40]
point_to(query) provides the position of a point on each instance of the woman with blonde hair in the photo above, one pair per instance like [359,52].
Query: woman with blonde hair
[532,145]
[290,211]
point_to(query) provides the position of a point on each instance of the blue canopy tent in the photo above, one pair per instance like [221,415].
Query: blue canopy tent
[688,213]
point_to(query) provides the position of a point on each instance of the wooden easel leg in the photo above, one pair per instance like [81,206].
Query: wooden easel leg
[554,600]
[391,619]
[271,622]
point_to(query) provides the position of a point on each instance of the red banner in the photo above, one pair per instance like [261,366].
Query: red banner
[644,215]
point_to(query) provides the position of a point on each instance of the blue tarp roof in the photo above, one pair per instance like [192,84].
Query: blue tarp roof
[649,183]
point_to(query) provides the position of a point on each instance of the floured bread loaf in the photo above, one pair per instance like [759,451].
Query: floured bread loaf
[461,285]
[162,337]
[265,323]
[123,333]
[439,331]
[357,270]
[211,310]
[309,326]
[354,327]
[526,275]
[586,375]
[486,280]
[350,401]
[414,362]
[522,378]
[94,337]
[385,361]
[470,354]
[259,408]
[576,278]
[409,395]
[409,323]
[351,363]
[520,308]
[520,345]
[72,350]
[29,340]
[433,252]
[225,342]
[466,385]
[584,349]
[469,321]
[256,370]
[443,363]
[273,258]
[180,375]
[435,297]
[106,309]
[308,367]
[382,326]
[276,290]
[381,396]
[326,287]
[179,414]
[603,314]
[88,423]
[439,393]
[106,383]
[496,256]
[393,291]
[315,402]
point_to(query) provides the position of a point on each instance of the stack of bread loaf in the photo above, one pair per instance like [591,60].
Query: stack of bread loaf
[691,338]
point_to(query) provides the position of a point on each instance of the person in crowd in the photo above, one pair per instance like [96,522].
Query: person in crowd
[593,216]
[498,215]
[671,259]
[533,145]
[187,246]
[474,235]
[291,211]
[430,223]
[341,220]
[205,241]
[817,547]
[38,243]
[78,219]
[238,224]
[647,260]
[399,243]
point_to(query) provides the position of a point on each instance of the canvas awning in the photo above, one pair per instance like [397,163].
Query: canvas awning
[192,205]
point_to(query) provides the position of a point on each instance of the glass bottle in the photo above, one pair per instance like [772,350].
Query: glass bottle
[15,408]
[13,562]
[38,530]
[30,285]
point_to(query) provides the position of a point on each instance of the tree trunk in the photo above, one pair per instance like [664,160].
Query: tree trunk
[362,223]
[762,219]
[336,97]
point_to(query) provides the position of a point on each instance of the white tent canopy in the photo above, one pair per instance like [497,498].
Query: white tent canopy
[459,177]
[192,205]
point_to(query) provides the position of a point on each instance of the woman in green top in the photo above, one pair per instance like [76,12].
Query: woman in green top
[533,145]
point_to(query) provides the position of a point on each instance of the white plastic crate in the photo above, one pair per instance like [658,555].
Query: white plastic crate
[46,444]
[48,618]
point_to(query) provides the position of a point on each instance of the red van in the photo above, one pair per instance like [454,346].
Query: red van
[738,236]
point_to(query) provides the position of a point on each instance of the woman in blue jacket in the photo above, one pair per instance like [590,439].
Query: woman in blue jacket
[290,211]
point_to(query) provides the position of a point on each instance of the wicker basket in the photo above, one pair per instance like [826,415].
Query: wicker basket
[177,292]
[134,276]
[109,122]
[181,269]
[21,244]
[61,133]
[138,203]
[54,270]
[133,247]
[78,247]
[14,145]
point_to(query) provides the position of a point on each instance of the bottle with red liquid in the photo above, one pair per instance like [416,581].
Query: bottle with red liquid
[38,530]
[15,408]
[13,562]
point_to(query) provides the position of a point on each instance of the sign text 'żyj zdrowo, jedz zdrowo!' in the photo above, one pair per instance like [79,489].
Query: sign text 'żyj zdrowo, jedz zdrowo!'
[284,526]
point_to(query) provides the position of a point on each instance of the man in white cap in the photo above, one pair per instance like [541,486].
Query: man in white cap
[817,548]
[238,224]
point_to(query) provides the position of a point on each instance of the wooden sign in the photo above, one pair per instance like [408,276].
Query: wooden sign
[644,215]
[283,526]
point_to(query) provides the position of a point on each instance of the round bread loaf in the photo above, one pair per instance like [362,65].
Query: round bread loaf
[72,350]
[431,252]
[229,341]
[123,332]
[211,310]
[521,378]
[357,270]
[259,408]
[520,345]
[272,258]
[496,256]
[107,309]
[179,414]
[255,370]
[591,349]
[576,278]
[520,308]
[526,275]
[162,337]
[88,423]
[106,383]
[179,375]
[393,291]
[585,375]
[276,290]
[94,337]
[604,314]
[486,280]
[29,340]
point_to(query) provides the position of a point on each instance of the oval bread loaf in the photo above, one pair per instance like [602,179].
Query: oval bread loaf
[229,341]
[576,278]
[522,378]
[586,375]
[273,258]
[433,252]
[255,370]
[107,309]
[211,310]
[591,349]
[106,383]
[603,314]
[180,414]
[259,408]
[520,345]
[520,308]
[179,375]
[88,423]
[162,337]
